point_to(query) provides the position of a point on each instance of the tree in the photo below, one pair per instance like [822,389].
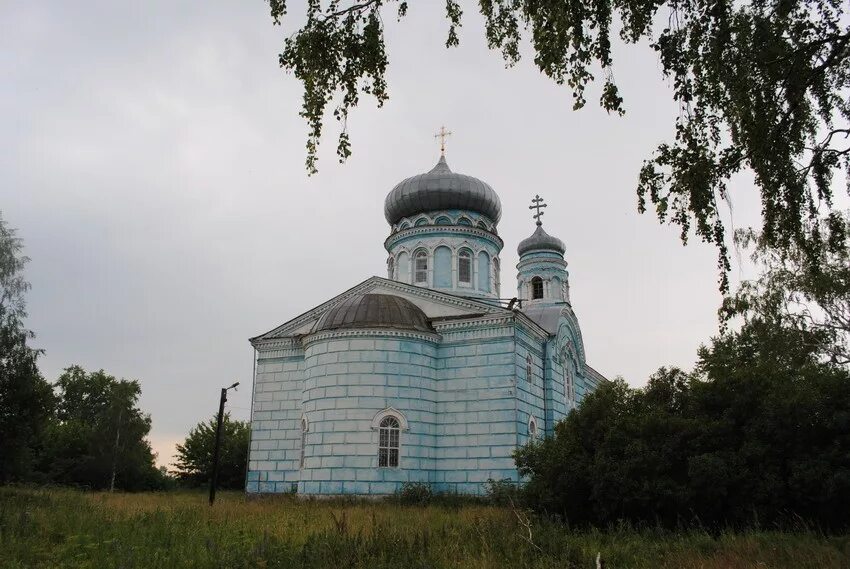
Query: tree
[761,85]
[98,437]
[26,399]
[194,456]
[794,291]
[758,433]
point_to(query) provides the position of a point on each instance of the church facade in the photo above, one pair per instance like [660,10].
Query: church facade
[425,375]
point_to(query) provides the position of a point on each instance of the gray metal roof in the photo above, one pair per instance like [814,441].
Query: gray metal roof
[374,311]
[441,189]
[540,240]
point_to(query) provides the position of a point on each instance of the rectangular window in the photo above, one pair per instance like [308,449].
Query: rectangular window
[421,269]
[464,267]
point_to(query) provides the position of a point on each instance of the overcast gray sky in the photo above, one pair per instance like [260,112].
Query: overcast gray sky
[152,158]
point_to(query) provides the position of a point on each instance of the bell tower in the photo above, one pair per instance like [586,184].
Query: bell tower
[542,276]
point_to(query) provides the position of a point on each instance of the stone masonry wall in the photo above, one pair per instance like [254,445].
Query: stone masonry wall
[348,381]
[275,428]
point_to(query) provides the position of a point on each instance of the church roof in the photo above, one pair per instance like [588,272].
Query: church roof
[540,240]
[441,189]
[374,311]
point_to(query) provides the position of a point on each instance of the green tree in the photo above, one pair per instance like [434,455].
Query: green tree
[797,292]
[98,437]
[761,86]
[758,433]
[195,455]
[26,399]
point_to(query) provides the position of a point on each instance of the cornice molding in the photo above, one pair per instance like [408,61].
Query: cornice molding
[459,229]
[538,261]
[370,332]
[475,322]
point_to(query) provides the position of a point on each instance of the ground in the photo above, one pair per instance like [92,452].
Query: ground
[70,529]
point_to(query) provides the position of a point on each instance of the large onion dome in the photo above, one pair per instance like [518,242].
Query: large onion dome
[540,241]
[374,311]
[441,189]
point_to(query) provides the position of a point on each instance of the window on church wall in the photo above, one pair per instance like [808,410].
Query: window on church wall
[464,267]
[532,428]
[420,267]
[536,288]
[303,442]
[388,443]
[497,275]
[528,377]
[391,268]
[569,381]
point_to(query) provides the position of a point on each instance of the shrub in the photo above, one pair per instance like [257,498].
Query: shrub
[504,492]
[759,434]
[414,494]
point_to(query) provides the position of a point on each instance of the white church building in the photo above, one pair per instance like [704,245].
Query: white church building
[426,375]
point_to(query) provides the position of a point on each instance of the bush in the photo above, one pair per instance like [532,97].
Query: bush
[759,434]
[503,492]
[414,494]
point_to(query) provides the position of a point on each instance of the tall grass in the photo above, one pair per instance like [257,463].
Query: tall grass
[69,529]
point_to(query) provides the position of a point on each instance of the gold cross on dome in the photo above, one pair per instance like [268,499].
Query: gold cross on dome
[442,136]
[538,205]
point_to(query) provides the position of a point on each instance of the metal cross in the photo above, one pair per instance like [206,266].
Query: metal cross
[538,206]
[442,136]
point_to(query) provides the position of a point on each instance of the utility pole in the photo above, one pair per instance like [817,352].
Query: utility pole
[214,478]
[115,451]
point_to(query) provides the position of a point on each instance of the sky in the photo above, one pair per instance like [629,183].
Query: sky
[152,160]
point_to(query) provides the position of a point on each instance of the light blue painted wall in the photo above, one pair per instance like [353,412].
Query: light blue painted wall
[348,381]
[467,401]
[275,425]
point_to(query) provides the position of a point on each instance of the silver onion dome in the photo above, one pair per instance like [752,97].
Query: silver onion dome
[541,241]
[374,311]
[441,189]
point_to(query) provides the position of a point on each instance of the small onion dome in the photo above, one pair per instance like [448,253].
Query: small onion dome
[441,189]
[374,311]
[541,241]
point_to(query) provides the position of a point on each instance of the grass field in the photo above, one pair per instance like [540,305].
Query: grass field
[65,528]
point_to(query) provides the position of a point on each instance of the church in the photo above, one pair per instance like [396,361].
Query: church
[427,375]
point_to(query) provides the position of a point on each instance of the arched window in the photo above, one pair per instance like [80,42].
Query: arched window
[391,268]
[304,428]
[536,288]
[464,267]
[420,267]
[532,428]
[569,380]
[497,278]
[483,271]
[528,377]
[388,442]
